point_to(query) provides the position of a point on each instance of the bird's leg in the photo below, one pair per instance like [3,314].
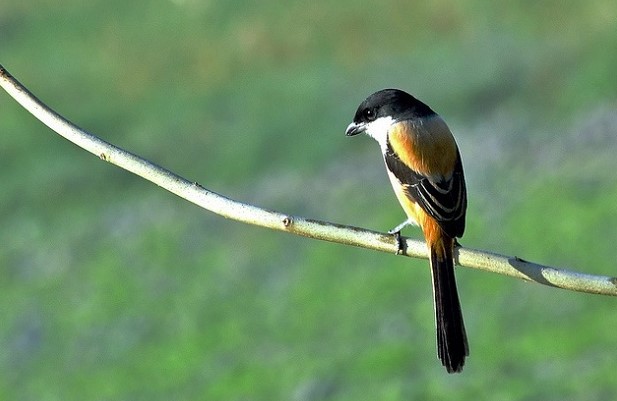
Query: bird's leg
[398,228]
[396,231]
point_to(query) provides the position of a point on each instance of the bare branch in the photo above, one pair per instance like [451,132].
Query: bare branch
[195,193]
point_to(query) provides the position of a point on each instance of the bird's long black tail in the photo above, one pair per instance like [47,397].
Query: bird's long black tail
[452,345]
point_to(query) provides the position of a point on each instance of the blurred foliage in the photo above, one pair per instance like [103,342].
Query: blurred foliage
[114,289]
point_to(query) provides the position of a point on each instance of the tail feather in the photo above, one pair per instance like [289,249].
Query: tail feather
[452,347]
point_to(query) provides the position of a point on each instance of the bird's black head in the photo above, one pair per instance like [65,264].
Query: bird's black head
[394,104]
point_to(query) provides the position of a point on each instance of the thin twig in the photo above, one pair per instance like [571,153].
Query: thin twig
[195,193]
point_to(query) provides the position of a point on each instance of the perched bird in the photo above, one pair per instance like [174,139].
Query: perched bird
[426,172]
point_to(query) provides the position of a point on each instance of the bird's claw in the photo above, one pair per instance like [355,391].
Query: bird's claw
[400,246]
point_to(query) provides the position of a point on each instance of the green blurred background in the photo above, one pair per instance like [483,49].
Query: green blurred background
[113,289]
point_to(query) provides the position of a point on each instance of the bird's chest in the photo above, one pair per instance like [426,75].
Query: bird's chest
[409,205]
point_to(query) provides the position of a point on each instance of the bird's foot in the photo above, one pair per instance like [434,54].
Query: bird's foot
[400,244]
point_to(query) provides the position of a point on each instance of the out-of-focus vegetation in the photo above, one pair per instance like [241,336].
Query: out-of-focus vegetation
[112,289]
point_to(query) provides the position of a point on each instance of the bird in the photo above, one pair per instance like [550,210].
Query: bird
[424,166]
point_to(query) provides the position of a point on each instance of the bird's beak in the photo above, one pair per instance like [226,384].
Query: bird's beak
[355,129]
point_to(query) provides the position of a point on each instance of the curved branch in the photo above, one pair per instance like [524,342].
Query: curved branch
[195,193]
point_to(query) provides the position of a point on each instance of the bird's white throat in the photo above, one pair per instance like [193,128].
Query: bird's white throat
[378,130]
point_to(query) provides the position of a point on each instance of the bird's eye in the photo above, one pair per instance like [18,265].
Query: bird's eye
[369,114]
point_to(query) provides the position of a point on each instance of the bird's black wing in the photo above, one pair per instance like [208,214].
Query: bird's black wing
[444,200]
